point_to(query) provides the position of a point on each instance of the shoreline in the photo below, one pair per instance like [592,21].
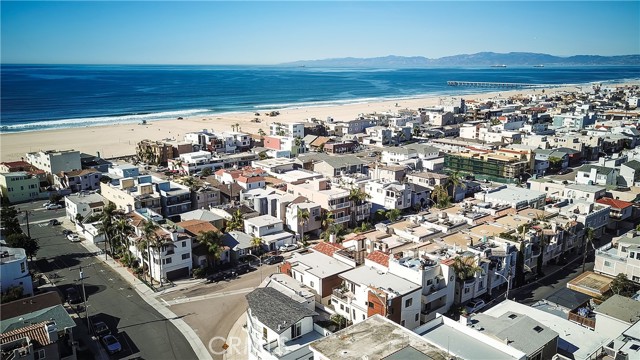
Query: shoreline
[121,139]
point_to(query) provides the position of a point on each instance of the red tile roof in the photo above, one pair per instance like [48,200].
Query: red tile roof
[379,257]
[327,248]
[36,333]
[447,262]
[614,203]
[196,227]
[248,180]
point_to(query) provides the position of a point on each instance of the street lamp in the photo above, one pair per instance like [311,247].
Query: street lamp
[508,282]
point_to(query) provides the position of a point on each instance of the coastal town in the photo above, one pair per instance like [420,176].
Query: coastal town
[504,226]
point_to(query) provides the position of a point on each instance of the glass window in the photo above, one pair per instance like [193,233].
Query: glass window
[408,302]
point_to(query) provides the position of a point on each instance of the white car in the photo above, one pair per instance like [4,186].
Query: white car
[53,207]
[74,238]
[46,204]
[474,305]
[288,247]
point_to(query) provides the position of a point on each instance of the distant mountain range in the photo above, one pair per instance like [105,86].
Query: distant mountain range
[478,59]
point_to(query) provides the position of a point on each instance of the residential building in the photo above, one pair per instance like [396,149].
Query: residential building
[596,175]
[630,172]
[14,270]
[388,195]
[589,193]
[490,164]
[290,129]
[194,162]
[78,180]
[175,199]
[333,166]
[617,314]
[154,152]
[205,215]
[367,291]
[82,206]
[313,223]
[205,196]
[330,198]
[318,271]
[239,243]
[23,166]
[623,256]
[340,147]
[620,213]
[377,337]
[129,194]
[280,326]
[53,161]
[270,229]
[20,186]
[377,136]
[409,154]
[200,252]
[591,215]
[513,196]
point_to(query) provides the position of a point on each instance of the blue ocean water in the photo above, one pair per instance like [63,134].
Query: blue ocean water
[37,97]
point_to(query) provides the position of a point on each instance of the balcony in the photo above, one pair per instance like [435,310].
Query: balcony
[589,322]
[434,293]
[342,219]
[343,205]
[343,294]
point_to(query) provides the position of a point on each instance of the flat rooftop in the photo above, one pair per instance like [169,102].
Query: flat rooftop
[376,338]
[387,282]
[511,194]
[318,264]
[590,283]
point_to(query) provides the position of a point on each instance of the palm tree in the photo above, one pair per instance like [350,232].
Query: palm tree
[327,220]
[303,218]
[149,237]
[211,240]
[256,242]
[236,222]
[589,234]
[393,214]
[465,267]
[357,196]
[106,225]
[380,214]
[261,132]
[190,182]
[159,243]
[456,181]
[440,196]
[123,230]
[400,135]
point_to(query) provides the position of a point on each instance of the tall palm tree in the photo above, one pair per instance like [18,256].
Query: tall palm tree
[456,181]
[106,227]
[327,220]
[303,218]
[400,135]
[123,230]
[211,240]
[236,222]
[393,214]
[261,132]
[440,196]
[256,242]
[465,267]
[149,237]
[159,243]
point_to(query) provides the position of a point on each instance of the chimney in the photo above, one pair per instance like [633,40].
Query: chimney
[332,238]
[52,331]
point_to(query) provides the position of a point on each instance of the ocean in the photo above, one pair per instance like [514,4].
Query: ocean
[38,97]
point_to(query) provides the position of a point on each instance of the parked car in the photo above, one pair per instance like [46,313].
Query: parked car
[474,305]
[288,247]
[72,295]
[273,260]
[101,329]
[111,344]
[215,277]
[66,232]
[244,268]
[54,222]
[46,204]
[53,207]
[74,237]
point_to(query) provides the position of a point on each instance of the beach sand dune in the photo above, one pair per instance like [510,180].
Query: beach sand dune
[120,139]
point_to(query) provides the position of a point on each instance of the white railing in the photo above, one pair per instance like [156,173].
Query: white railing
[342,219]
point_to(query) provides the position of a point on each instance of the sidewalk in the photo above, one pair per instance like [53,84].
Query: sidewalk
[150,298]
[237,340]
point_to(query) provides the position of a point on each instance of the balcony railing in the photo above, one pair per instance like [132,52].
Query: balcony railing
[342,219]
[343,205]
[343,294]
[584,321]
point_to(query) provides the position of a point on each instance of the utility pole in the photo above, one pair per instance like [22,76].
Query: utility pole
[84,294]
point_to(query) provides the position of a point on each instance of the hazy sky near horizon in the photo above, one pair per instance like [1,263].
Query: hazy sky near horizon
[267,32]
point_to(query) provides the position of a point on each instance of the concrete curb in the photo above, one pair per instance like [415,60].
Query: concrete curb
[148,296]
[238,331]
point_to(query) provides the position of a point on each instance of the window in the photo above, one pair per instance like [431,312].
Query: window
[184,244]
[354,313]
[39,354]
[166,261]
[417,317]
[538,329]
[363,317]
[466,290]
[402,322]
[408,303]
[311,283]
[296,330]
[22,267]
[264,332]
[370,304]
[186,256]
[341,307]
[607,263]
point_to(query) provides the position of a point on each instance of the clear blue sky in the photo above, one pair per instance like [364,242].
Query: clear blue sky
[156,32]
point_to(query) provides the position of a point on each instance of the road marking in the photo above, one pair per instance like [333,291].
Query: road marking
[121,289]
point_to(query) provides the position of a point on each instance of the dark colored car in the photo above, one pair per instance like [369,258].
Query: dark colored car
[244,268]
[72,295]
[101,329]
[273,260]
[54,222]
[215,277]
[66,232]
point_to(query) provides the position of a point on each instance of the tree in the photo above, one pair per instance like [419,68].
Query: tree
[262,155]
[555,163]
[440,196]
[13,293]
[327,220]
[236,222]
[123,230]
[55,197]
[79,218]
[30,246]
[621,285]
[9,220]
[256,242]
[106,225]
[261,133]
[190,182]
[149,236]
[588,235]
[465,267]
[206,172]
[400,135]
[456,181]
[393,214]
[211,240]
[303,218]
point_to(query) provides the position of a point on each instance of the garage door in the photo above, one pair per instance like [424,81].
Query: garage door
[178,273]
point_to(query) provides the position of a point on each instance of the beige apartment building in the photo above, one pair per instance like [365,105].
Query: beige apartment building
[330,198]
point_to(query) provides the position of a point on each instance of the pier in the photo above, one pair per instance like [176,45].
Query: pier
[498,84]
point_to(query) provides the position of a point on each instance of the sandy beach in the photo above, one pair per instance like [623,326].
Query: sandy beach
[121,139]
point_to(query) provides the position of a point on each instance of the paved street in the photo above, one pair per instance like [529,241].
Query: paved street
[142,331]
[212,309]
